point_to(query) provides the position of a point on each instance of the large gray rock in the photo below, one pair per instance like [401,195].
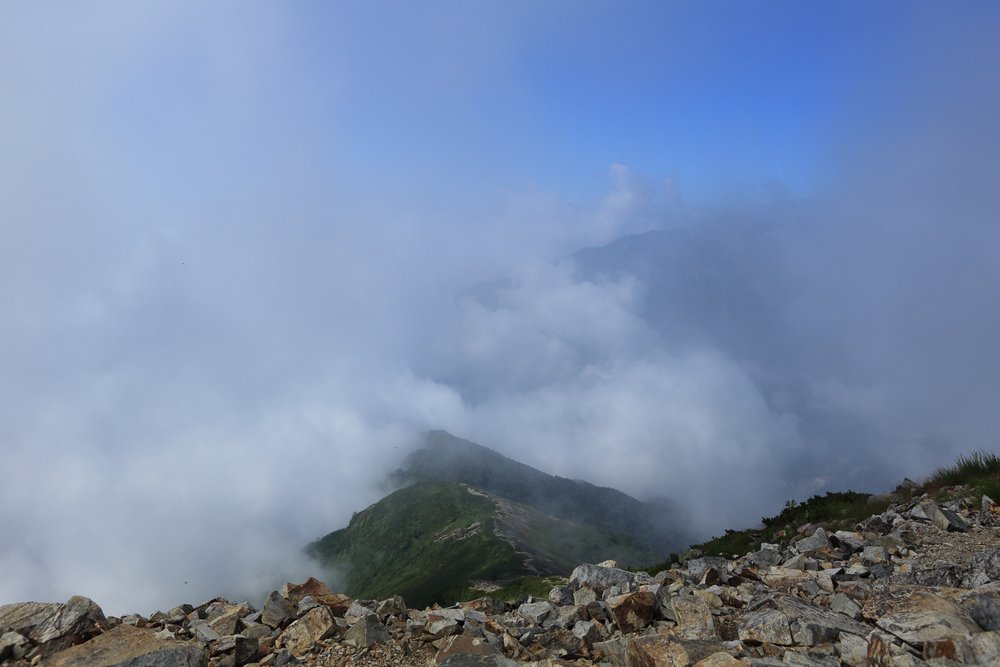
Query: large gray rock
[694,617]
[788,620]
[366,631]
[317,623]
[599,578]
[818,540]
[926,617]
[535,612]
[13,645]
[462,645]
[277,611]
[54,626]
[697,567]
[128,646]
[632,611]
[985,611]
[985,567]
[944,519]
[669,651]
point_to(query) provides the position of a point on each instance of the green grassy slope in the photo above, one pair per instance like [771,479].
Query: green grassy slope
[445,457]
[396,546]
[390,548]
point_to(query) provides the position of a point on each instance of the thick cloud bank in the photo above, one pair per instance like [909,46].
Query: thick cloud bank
[218,333]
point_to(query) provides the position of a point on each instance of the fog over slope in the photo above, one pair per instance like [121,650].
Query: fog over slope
[219,328]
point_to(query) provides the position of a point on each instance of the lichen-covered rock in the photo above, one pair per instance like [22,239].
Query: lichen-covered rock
[366,631]
[128,646]
[54,626]
[318,623]
[632,611]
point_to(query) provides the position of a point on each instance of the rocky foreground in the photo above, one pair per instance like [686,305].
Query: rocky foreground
[918,584]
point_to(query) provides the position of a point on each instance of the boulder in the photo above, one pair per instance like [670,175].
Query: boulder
[599,578]
[366,631]
[535,612]
[277,611]
[788,620]
[318,623]
[462,645]
[393,606]
[559,643]
[128,646]
[985,611]
[669,651]
[54,626]
[311,586]
[632,611]
[818,540]
[697,567]
[13,645]
[926,617]
[984,568]
[694,617]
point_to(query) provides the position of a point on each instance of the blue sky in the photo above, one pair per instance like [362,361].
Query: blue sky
[484,100]
[250,248]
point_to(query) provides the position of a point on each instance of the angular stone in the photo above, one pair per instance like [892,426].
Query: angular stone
[367,631]
[560,643]
[360,608]
[54,626]
[337,603]
[764,558]
[393,606]
[853,650]
[722,659]
[462,645]
[246,650]
[535,612]
[311,586]
[765,625]
[13,645]
[227,623]
[464,660]
[928,510]
[848,540]
[796,622]
[985,567]
[599,578]
[632,611]
[842,604]
[696,567]
[818,540]
[128,646]
[925,617]
[612,651]
[566,617]
[694,617]
[589,631]
[985,648]
[561,595]
[317,623]
[443,627]
[985,611]
[584,595]
[668,651]
[277,611]
[202,631]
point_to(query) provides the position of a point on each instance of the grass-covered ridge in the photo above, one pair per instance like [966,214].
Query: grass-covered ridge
[395,546]
[439,541]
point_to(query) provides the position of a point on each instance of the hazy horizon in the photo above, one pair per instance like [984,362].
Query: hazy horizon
[730,254]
